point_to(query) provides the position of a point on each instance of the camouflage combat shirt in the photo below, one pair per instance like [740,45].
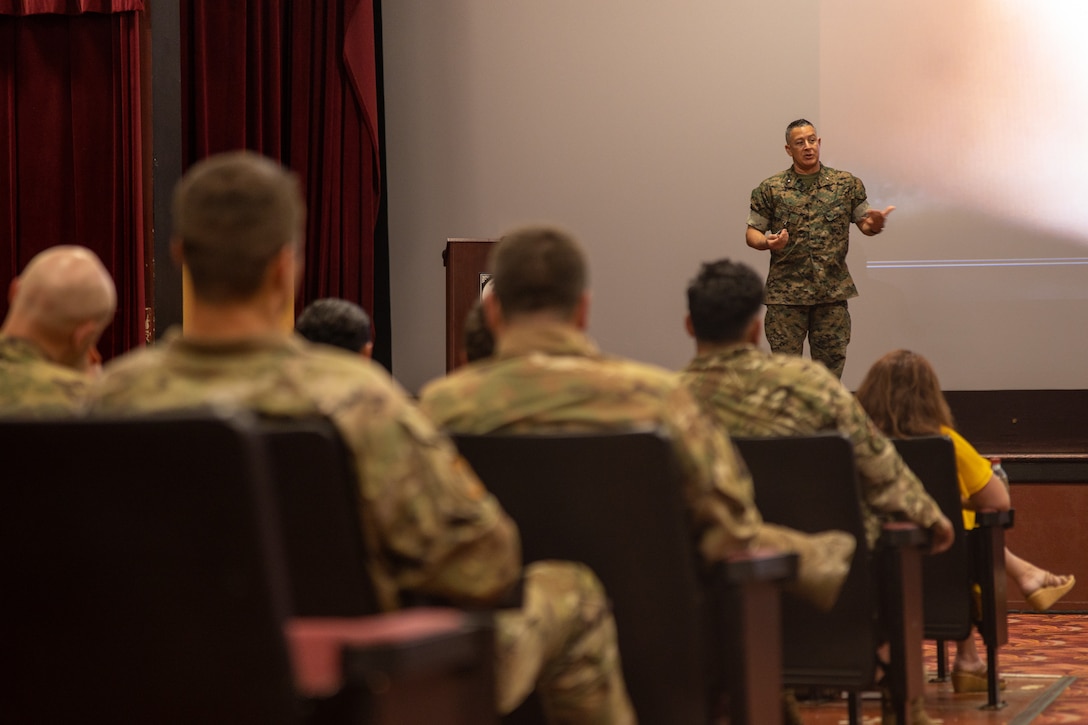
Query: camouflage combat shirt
[552,378]
[430,525]
[817,211]
[33,386]
[754,393]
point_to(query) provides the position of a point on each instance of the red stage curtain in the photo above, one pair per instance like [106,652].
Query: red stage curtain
[71,155]
[296,81]
[68,7]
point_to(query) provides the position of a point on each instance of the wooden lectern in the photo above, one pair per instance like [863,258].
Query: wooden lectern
[466,273]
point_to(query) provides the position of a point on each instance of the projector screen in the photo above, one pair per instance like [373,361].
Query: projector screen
[972,118]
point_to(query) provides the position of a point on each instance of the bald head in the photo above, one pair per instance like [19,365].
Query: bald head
[62,301]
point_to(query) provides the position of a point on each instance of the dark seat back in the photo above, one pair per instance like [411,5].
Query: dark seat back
[946,576]
[809,483]
[614,502]
[316,482]
[141,582]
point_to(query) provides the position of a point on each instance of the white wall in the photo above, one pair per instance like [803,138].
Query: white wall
[641,126]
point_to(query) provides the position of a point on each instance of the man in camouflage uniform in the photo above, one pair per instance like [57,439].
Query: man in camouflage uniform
[60,305]
[802,216]
[430,526]
[753,393]
[546,375]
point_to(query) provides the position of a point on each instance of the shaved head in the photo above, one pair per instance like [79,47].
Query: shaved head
[63,301]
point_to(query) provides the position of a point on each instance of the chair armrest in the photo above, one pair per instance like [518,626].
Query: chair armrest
[904,534]
[328,652]
[1004,519]
[760,565]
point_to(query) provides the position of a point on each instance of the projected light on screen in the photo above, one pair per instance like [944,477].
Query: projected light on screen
[971,117]
[975,104]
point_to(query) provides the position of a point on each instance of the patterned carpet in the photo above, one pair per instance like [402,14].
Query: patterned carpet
[1045,665]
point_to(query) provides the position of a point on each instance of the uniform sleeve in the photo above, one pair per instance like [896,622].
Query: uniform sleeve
[433,526]
[718,486]
[859,203]
[761,208]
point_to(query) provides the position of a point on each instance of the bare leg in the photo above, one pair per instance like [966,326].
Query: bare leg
[1029,577]
[967,657]
[969,669]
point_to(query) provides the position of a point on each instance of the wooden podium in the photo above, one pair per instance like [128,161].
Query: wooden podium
[466,273]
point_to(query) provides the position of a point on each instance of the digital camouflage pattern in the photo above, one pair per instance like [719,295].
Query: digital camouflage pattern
[430,526]
[33,386]
[827,326]
[551,378]
[817,211]
[753,393]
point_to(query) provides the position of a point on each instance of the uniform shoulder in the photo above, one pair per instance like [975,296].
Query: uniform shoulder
[837,175]
[775,180]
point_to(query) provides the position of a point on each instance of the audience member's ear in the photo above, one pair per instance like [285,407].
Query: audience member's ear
[94,361]
[83,344]
[581,312]
[13,288]
[368,350]
[754,331]
[493,314]
[689,325]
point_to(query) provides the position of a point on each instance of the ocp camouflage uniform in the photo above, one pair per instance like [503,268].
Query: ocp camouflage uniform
[31,385]
[551,378]
[808,282]
[753,393]
[430,526]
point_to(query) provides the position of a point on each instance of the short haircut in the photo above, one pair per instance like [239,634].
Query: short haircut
[333,321]
[536,269]
[902,395]
[479,342]
[233,213]
[722,299]
[798,124]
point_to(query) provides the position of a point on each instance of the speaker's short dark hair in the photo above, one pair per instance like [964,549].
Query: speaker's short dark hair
[798,124]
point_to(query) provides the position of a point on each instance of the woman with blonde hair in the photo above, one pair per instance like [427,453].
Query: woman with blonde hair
[902,395]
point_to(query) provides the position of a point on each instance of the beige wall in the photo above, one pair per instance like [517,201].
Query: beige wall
[642,126]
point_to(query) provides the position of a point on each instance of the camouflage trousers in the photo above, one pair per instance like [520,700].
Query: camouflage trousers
[562,643]
[826,325]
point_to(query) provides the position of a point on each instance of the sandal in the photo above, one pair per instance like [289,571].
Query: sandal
[1044,598]
[964,681]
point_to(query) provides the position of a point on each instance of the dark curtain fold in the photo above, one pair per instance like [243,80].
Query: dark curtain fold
[68,7]
[333,149]
[72,153]
[232,77]
[296,81]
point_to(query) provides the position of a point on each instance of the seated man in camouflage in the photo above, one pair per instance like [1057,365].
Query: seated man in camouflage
[431,526]
[753,393]
[546,375]
[60,305]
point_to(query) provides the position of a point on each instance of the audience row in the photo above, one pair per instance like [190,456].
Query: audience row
[435,529]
